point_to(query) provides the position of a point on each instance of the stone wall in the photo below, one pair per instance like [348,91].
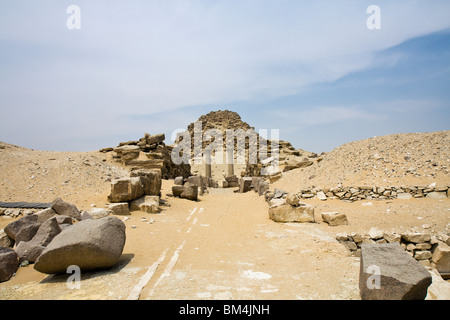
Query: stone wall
[427,248]
[376,193]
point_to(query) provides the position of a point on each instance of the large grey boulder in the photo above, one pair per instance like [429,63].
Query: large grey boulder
[190,192]
[15,227]
[89,244]
[387,272]
[29,251]
[66,209]
[9,263]
[150,179]
[149,204]
[49,229]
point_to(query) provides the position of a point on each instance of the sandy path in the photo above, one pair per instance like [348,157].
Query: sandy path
[222,247]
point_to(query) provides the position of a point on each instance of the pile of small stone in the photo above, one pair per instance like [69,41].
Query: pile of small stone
[15,212]
[376,193]
[60,236]
[429,249]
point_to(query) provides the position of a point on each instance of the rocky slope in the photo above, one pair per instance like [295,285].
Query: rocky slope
[398,159]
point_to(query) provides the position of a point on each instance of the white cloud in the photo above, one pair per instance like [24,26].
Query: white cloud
[146,57]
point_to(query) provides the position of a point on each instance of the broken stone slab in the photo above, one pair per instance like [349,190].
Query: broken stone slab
[437,195]
[177,190]
[387,272]
[120,208]
[441,257]
[287,213]
[245,184]
[155,139]
[126,189]
[263,186]
[178,181]
[45,214]
[416,237]
[375,233]
[392,237]
[232,178]
[321,196]
[47,231]
[90,244]
[190,192]
[128,152]
[32,249]
[335,218]
[150,179]
[149,204]
[66,209]
[9,263]
[13,228]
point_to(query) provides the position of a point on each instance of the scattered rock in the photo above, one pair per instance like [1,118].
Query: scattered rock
[190,192]
[417,237]
[437,195]
[404,196]
[120,208]
[66,209]
[9,263]
[245,184]
[441,257]
[292,199]
[150,179]
[335,218]
[321,196]
[287,213]
[14,228]
[126,189]
[98,213]
[5,240]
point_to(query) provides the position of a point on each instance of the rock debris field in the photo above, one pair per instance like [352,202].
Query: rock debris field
[223,243]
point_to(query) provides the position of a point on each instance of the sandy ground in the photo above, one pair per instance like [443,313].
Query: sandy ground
[225,247]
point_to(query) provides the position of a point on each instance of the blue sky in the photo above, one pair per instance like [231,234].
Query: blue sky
[311,69]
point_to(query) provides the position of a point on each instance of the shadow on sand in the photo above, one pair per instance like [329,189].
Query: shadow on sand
[123,262]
